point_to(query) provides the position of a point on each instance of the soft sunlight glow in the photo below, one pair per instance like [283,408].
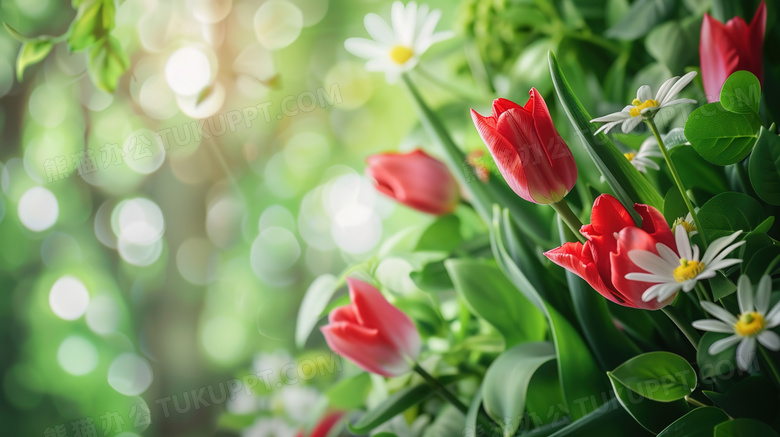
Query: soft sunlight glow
[188,71]
[278,23]
[38,209]
[69,298]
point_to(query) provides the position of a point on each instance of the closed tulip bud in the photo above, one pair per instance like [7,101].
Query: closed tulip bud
[415,179]
[528,151]
[372,333]
[730,47]
[324,426]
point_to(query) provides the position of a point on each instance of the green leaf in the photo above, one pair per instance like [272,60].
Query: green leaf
[350,393]
[754,397]
[721,137]
[641,18]
[432,277]
[626,182]
[15,34]
[741,93]
[698,423]
[696,172]
[660,376]
[670,45]
[581,380]
[442,235]
[492,297]
[32,52]
[506,382]
[674,205]
[711,366]
[721,286]
[107,62]
[396,404]
[449,422]
[607,420]
[94,21]
[652,415]
[728,212]
[544,399]
[764,167]
[315,300]
[744,428]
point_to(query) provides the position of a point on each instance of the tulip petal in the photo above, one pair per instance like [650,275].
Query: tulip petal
[575,258]
[365,348]
[633,239]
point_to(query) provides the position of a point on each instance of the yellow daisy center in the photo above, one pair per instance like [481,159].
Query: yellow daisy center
[401,54]
[636,111]
[687,270]
[688,226]
[749,324]
[630,156]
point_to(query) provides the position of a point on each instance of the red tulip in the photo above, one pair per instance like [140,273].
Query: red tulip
[727,48]
[603,260]
[372,333]
[415,179]
[325,425]
[530,154]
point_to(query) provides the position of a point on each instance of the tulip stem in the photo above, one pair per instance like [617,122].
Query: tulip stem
[685,328]
[446,394]
[568,217]
[677,180]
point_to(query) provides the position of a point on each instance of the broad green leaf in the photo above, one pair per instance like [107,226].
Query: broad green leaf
[728,212]
[626,182]
[93,22]
[424,315]
[711,366]
[721,286]
[754,397]
[489,295]
[610,346]
[652,415]
[396,404]
[741,93]
[449,422]
[506,382]
[442,235]
[544,399]
[315,300]
[641,17]
[579,375]
[696,172]
[721,137]
[236,422]
[432,277]
[670,45]
[660,376]
[350,393]
[607,420]
[32,52]
[674,205]
[107,62]
[15,34]
[764,167]
[744,428]
[698,423]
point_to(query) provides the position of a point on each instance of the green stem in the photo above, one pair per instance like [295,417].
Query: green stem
[700,289]
[457,90]
[446,394]
[693,401]
[772,368]
[568,217]
[685,328]
[595,40]
[677,179]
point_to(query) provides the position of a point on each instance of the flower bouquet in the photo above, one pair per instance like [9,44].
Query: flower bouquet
[643,302]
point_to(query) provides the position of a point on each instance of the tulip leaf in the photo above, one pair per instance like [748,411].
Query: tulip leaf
[641,17]
[720,136]
[729,212]
[396,404]
[315,300]
[654,416]
[660,376]
[626,182]
[610,346]
[698,423]
[449,422]
[441,235]
[492,297]
[711,366]
[607,420]
[506,382]
[581,380]
[741,93]
[349,393]
[744,428]
[764,167]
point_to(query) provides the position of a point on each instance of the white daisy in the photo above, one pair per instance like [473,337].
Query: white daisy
[671,272]
[397,49]
[753,323]
[641,158]
[687,223]
[645,106]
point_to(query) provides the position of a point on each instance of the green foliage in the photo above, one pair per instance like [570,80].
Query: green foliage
[660,376]
[720,136]
[698,423]
[94,21]
[107,62]
[764,167]
[744,428]
[641,17]
[741,93]
[729,212]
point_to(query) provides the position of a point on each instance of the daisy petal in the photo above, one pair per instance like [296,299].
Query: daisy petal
[745,294]
[664,90]
[723,344]
[677,102]
[378,28]
[773,317]
[644,93]
[678,86]
[713,326]
[649,261]
[645,277]
[719,312]
[615,116]
[770,340]
[667,254]
[607,127]
[746,351]
[718,245]
[683,243]
[365,48]
[631,124]
[763,293]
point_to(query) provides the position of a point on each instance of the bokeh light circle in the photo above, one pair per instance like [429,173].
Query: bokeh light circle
[144,151]
[68,298]
[188,71]
[223,338]
[38,209]
[129,374]
[77,355]
[103,315]
[278,23]
[274,250]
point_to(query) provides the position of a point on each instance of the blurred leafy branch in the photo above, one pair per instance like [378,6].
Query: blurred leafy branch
[90,32]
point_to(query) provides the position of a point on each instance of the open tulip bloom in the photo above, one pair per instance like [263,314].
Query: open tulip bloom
[397,49]
[754,322]
[645,105]
[670,271]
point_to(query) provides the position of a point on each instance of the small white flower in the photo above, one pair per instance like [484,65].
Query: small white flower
[645,106]
[397,49]
[753,323]
[641,159]
[687,223]
[671,272]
